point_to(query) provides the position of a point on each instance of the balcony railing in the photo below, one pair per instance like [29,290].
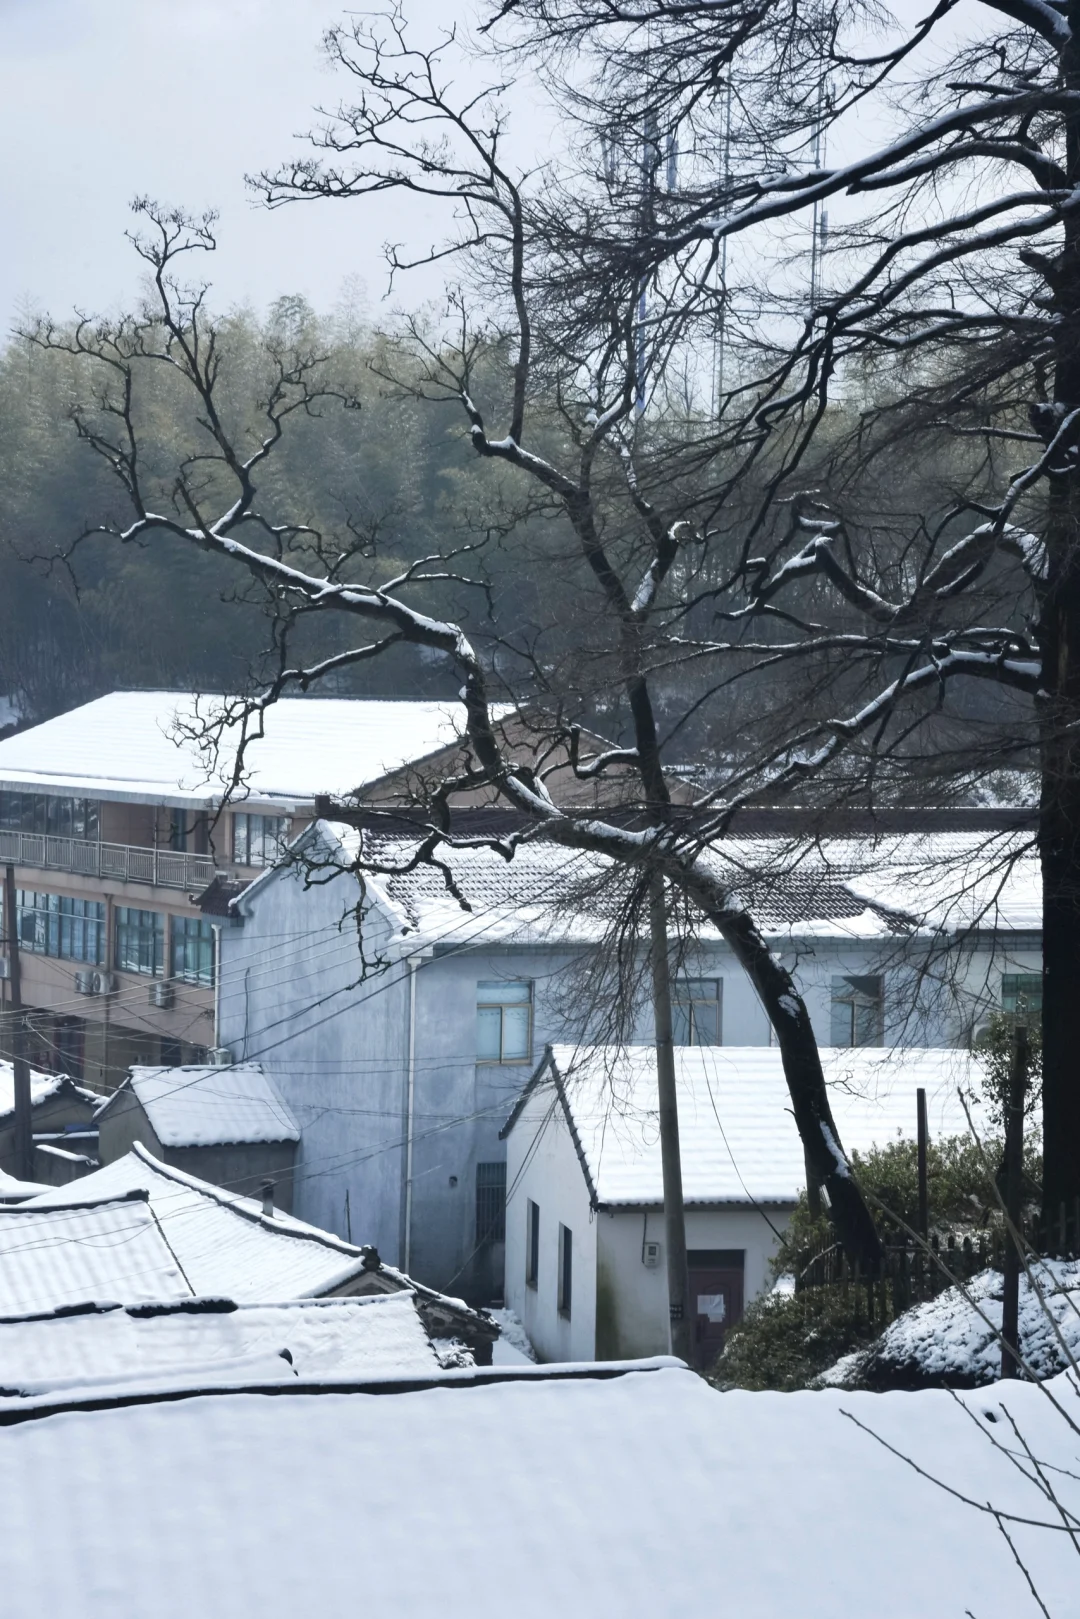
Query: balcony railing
[121,862]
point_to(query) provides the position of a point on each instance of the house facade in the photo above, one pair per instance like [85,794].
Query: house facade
[401,1018]
[111,816]
[586,1250]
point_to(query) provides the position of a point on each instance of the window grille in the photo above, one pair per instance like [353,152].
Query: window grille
[54,925]
[192,954]
[140,941]
[258,840]
[695,1012]
[503,1020]
[858,1011]
[490,1203]
[1022,992]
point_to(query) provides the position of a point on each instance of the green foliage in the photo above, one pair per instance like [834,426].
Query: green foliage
[784,1341]
[994,1051]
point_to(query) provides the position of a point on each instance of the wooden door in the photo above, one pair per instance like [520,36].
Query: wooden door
[716,1300]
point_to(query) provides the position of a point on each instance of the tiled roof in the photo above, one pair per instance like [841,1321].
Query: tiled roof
[205,1107]
[72,1252]
[737,1135]
[43,1088]
[381,1335]
[128,746]
[225,1244]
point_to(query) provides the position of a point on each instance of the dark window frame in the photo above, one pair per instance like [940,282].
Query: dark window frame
[566,1271]
[685,1000]
[490,1202]
[59,925]
[141,928]
[191,950]
[532,1243]
[1027,985]
[491,1000]
[857,1012]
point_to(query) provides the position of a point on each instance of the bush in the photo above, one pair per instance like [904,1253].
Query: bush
[785,1340]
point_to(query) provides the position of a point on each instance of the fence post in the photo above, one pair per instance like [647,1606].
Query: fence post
[1014,1169]
[923,1135]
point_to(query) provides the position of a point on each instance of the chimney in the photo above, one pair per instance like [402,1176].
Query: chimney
[268,1200]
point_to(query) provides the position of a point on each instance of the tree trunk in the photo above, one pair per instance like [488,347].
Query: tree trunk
[825,1158]
[682,1335]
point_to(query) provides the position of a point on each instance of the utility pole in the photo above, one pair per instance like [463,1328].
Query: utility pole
[1014,1170]
[24,1139]
[682,1335]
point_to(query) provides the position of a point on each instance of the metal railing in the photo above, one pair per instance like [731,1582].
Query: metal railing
[122,862]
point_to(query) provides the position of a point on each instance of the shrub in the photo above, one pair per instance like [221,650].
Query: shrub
[785,1340]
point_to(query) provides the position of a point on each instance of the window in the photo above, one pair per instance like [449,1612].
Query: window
[532,1243]
[140,941]
[59,817]
[1022,992]
[192,954]
[490,1203]
[566,1269]
[258,840]
[695,1012]
[53,925]
[857,1012]
[503,1020]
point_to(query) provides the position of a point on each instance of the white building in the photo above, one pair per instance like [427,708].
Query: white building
[585,1248]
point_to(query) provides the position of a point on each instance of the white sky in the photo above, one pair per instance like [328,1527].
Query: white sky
[101,100]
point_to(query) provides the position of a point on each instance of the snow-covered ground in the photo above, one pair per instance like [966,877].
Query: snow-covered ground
[952,1340]
[512,1348]
[647,1495]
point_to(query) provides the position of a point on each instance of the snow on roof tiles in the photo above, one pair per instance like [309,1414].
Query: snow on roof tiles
[205,1107]
[647,1495]
[225,1244]
[381,1335]
[737,1135]
[61,1255]
[43,1087]
[127,746]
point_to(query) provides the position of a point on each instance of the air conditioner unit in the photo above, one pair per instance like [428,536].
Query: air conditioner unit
[86,983]
[220,1057]
[162,995]
[104,984]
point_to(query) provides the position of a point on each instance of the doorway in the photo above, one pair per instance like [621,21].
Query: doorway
[716,1298]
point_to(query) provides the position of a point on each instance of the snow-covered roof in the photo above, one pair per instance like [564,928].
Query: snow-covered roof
[380,1335]
[134,746]
[76,1251]
[736,1131]
[647,1495]
[224,1242]
[43,1088]
[206,1107]
[13,1190]
[868,888]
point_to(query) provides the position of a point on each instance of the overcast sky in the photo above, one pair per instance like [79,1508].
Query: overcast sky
[101,100]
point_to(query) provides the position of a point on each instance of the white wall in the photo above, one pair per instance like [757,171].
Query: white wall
[542,1164]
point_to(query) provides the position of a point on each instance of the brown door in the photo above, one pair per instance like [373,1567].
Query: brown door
[716,1299]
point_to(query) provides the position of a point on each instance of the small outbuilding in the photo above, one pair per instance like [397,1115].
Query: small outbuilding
[62,1120]
[227,1125]
[586,1263]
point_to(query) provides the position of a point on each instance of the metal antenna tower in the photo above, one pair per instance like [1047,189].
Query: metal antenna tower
[720,338]
[821,217]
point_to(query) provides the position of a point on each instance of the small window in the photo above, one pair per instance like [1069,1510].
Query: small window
[566,1269]
[140,941]
[192,954]
[258,840]
[1021,993]
[857,1012]
[532,1243]
[503,1020]
[695,1012]
[490,1203]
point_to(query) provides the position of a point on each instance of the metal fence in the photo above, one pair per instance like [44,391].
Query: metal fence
[124,862]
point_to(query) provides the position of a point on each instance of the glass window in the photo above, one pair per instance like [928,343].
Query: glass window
[1022,992]
[140,941]
[566,1270]
[192,955]
[532,1243]
[695,1012]
[258,840]
[59,817]
[490,1203]
[858,1006]
[54,925]
[503,1020]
